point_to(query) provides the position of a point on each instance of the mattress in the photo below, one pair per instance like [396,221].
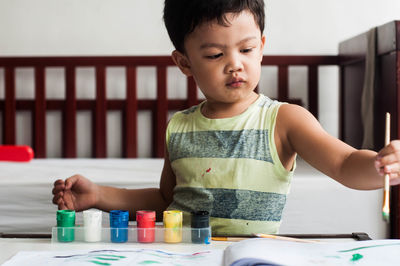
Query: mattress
[316,203]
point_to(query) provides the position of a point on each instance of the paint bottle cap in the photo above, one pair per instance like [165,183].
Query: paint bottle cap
[119,215]
[66,218]
[200,219]
[145,218]
[92,217]
[172,218]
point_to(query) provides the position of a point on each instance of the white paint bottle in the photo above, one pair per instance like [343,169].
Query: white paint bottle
[92,223]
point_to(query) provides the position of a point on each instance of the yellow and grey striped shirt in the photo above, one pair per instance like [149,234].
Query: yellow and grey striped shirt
[229,167]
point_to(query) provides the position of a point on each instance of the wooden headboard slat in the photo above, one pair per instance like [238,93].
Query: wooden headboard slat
[130,114]
[39,115]
[161,113]
[69,115]
[191,91]
[313,90]
[100,119]
[283,88]
[9,126]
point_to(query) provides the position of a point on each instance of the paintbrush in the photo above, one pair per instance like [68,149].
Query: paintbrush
[386,190]
[285,238]
[230,239]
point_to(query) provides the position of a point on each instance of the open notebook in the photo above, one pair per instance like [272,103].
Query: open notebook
[245,253]
[277,252]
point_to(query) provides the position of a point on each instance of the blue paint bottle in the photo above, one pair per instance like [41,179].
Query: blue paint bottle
[119,220]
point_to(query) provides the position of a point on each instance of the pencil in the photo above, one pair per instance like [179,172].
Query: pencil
[386,190]
[286,238]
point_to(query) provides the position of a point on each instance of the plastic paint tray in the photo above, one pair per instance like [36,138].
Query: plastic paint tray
[132,234]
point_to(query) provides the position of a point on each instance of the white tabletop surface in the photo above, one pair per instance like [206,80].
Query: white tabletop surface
[10,246]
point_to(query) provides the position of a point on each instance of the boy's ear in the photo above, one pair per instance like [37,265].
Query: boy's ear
[262,47]
[182,62]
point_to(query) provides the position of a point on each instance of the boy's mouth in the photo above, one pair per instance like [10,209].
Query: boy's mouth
[235,82]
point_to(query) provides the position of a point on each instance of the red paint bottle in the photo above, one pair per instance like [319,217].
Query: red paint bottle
[146,221]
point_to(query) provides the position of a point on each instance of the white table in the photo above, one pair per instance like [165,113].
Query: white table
[11,246]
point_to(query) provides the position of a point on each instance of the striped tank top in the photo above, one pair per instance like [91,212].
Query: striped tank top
[229,167]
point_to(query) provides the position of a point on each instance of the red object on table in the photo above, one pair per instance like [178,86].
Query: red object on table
[16,153]
[146,221]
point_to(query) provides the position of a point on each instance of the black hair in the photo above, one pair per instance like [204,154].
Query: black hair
[181,17]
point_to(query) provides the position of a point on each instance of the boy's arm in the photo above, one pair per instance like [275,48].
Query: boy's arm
[347,165]
[157,199]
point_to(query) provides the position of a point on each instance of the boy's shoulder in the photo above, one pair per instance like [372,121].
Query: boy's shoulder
[266,102]
[294,111]
[189,110]
[295,118]
[185,114]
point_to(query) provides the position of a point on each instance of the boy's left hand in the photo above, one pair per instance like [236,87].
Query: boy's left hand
[387,161]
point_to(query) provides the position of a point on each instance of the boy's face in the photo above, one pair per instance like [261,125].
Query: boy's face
[225,61]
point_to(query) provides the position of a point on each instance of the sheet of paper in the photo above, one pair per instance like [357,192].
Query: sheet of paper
[278,252]
[115,257]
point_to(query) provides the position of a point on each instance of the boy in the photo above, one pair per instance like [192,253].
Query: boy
[234,154]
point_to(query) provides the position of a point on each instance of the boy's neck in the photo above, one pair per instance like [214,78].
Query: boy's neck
[217,110]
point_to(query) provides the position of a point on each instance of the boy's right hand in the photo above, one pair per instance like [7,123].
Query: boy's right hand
[75,193]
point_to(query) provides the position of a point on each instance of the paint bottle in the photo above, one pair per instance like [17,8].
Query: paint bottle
[200,224]
[146,222]
[66,225]
[172,226]
[92,224]
[119,220]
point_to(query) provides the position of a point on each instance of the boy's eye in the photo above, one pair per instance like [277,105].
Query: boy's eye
[247,50]
[215,56]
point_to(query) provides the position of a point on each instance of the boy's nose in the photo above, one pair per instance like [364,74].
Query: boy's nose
[235,69]
[234,65]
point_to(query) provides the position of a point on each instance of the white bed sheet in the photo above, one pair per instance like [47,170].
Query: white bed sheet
[316,204]
[319,204]
[25,188]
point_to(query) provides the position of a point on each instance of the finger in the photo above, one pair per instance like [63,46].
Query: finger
[70,181]
[392,147]
[388,164]
[61,204]
[58,189]
[389,158]
[58,182]
[68,201]
[56,198]
[395,181]
[391,169]
[394,175]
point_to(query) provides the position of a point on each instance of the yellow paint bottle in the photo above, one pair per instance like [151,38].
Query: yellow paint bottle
[172,226]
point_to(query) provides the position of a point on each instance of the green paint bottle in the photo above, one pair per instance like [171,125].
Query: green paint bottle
[65,224]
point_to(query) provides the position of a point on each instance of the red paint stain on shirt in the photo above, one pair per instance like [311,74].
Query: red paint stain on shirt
[207,171]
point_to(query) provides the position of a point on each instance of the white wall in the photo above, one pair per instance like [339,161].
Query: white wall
[135,27]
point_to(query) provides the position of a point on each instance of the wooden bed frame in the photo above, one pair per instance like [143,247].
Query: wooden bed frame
[129,106]
[349,60]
